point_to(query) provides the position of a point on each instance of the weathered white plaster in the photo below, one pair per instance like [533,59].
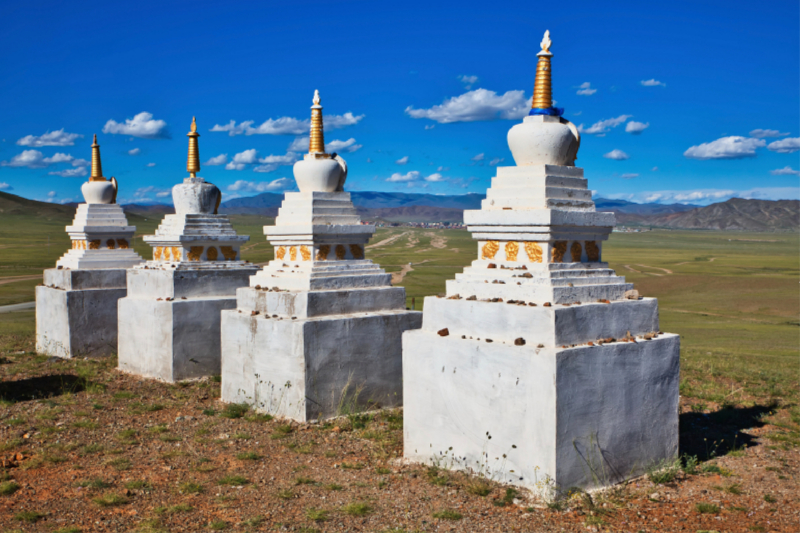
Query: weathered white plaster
[101,238]
[541,139]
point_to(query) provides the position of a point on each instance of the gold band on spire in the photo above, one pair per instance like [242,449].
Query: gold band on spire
[542,89]
[193,161]
[316,142]
[97,167]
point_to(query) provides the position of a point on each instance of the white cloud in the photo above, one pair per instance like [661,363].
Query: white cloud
[761,134]
[220,159]
[51,138]
[479,157]
[402,161]
[348,146]
[369,160]
[242,159]
[5,187]
[434,178]
[144,192]
[79,163]
[480,104]
[287,125]
[733,147]
[604,125]
[785,171]
[300,144]
[70,172]
[163,194]
[58,158]
[785,146]
[142,125]
[272,162]
[636,128]
[28,158]
[496,161]
[399,178]
[653,83]
[585,89]
[617,155]
[151,164]
[430,126]
[135,151]
[468,81]
[629,176]
[261,186]
[52,194]
[709,196]
[442,169]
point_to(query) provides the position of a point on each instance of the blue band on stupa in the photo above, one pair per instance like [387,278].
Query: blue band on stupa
[552,111]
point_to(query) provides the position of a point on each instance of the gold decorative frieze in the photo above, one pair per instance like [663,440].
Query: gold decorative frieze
[512,249]
[534,252]
[157,252]
[575,251]
[280,252]
[592,251]
[110,244]
[177,253]
[340,252]
[78,245]
[489,250]
[305,253]
[122,244]
[195,253]
[167,253]
[356,251]
[94,244]
[293,253]
[323,251]
[212,253]
[559,249]
[228,253]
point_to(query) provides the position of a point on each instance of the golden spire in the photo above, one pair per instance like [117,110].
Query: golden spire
[193,161]
[97,167]
[316,143]
[542,89]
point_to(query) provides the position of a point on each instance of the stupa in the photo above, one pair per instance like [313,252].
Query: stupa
[541,367]
[169,321]
[318,331]
[76,307]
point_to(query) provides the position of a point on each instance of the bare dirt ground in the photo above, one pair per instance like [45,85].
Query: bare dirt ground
[87,448]
[388,241]
[14,279]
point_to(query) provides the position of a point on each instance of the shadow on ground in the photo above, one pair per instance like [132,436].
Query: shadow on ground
[40,387]
[707,435]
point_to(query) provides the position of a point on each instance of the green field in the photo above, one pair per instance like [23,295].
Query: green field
[733,297]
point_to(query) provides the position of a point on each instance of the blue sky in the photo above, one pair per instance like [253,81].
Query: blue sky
[692,102]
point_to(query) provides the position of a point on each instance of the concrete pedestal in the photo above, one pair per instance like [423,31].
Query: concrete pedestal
[76,312]
[539,415]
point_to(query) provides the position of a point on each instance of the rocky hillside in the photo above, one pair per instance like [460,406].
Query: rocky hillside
[736,214]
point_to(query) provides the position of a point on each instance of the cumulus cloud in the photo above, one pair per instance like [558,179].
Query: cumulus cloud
[70,172]
[785,146]
[51,138]
[242,159]
[58,158]
[434,178]
[734,147]
[430,126]
[348,146]
[135,151]
[142,193]
[261,186]
[52,194]
[163,194]
[402,161]
[585,89]
[761,134]
[636,128]
[142,125]
[442,169]
[496,161]
[629,176]
[80,163]
[479,157]
[785,171]
[400,178]
[151,164]
[468,81]
[287,125]
[220,159]
[5,186]
[480,104]
[272,162]
[35,159]
[653,83]
[604,126]
[617,155]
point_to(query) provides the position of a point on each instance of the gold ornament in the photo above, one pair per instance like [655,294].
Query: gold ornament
[340,252]
[94,244]
[489,250]
[157,251]
[177,253]
[592,251]
[97,167]
[534,252]
[195,253]
[542,88]
[193,160]
[316,139]
[292,253]
[228,253]
[212,253]
[512,249]
[356,251]
[122,244]
[305,253]
[559,249]
[280,252]
[110,244]
[575,251]
[323,251]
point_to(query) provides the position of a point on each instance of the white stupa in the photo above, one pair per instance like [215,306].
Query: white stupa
[76,307]
[320,326]
[541,367]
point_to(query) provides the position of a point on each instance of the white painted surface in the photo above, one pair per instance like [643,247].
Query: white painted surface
[317,175]
[98,192]
[542,139]
[195,196]
[104,236]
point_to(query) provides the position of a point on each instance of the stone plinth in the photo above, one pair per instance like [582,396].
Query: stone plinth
[170,320]
[76,307]
[318,331]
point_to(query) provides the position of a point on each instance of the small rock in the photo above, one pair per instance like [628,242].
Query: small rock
[519,342]
[337,429]
[491,265]
[632,294]
[489,340]
[444,332]
[540,346]
[258,287]
[472,298]
[547,304]
[655,496]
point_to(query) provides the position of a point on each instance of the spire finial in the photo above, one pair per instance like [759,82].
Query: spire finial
[316,142]
[542,89]
[193,161]
[97,167]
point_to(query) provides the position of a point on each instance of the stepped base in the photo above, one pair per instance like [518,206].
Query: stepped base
[321,275]
[76,312]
